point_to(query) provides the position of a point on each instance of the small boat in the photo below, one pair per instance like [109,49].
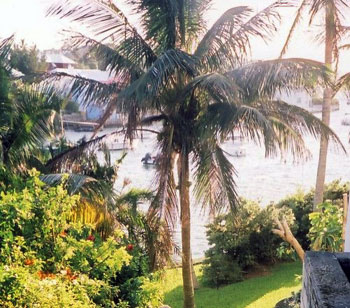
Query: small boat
[346,119]
[240,152]
[148,159]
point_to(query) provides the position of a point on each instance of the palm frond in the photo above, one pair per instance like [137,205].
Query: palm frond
[289,139]
[5,48]
[218,86]
[160,74]
[302,121]
[165,204]
[159,21]
[87,91]
[155,118]
[215,186]
[29,122]
[122,64]
[89,188]
[224,118]
[266,78]
[134,197]
[296,21]
[105,20]
[160,243]
[281,126]
[342,83]
[228,41]
[110,108]
[337,6]
[275,124]
[263,24]
[218,37]
[67,158]
[195,21]
[345,46]
[254,125]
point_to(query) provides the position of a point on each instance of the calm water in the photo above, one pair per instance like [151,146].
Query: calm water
[259,178]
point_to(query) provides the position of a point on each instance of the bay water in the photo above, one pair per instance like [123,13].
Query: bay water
[258,178]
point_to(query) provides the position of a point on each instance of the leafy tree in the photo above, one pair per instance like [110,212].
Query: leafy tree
[200,85]
[26,123]
[25,114]
[333,31]
[27,59]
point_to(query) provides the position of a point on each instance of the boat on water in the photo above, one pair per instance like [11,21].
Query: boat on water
[240,152]
[346,119]
[148,159]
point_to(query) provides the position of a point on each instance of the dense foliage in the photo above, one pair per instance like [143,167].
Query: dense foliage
[27,59]
[301,203]
[49,261]
[326,228]
[245,239]
[241,241]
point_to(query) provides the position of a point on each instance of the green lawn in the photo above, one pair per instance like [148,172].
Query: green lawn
[260,292]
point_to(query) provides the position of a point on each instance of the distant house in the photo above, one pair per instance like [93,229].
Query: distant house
[58,60]
[92,112]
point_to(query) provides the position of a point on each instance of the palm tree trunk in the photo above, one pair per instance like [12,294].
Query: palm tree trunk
[5,152]
[183,173]
[61,123]
[194,277]
[326,107]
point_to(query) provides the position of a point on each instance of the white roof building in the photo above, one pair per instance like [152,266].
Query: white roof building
[58,60]
[94,74]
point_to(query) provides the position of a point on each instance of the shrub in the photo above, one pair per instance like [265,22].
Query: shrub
[20,287]
[49,261]
[136,286]
[301,203]
[241,241]
[326,228]
[220,269]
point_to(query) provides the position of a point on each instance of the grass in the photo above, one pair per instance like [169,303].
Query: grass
[258,292]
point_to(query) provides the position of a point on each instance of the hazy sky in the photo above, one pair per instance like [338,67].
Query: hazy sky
[27,19]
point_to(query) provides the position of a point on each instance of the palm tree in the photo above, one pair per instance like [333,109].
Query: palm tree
[333,32]
[201,87]
[25,114]
[26,122]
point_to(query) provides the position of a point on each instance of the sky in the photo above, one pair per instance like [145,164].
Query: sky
[26,18]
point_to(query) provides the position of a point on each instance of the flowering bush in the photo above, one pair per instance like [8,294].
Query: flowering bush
[48,261]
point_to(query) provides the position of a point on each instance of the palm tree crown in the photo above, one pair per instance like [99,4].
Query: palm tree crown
[26,113]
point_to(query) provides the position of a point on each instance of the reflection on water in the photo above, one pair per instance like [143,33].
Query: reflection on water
[259,178]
